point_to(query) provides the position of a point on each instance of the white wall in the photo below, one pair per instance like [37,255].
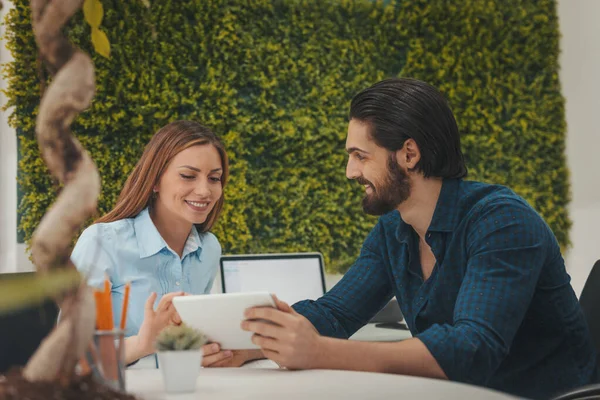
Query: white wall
[580,63]
[8,173]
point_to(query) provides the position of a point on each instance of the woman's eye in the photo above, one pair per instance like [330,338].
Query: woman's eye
[187,176]
[216,179]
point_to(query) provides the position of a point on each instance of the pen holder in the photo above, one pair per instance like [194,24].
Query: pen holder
[108,364]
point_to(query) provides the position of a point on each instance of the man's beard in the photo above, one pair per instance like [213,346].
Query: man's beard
[394,190]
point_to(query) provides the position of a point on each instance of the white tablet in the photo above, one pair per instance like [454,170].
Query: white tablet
[219,316]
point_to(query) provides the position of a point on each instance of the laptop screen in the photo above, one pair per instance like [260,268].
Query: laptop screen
[292,277]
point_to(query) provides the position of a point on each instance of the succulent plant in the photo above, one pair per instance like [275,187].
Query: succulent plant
[180,337]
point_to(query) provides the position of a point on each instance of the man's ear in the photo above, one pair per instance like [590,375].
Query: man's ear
[409,155]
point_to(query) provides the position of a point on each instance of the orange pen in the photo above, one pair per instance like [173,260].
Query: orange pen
[108,306]
[125,305]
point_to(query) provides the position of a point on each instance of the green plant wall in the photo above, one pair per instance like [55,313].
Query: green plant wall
[274,78]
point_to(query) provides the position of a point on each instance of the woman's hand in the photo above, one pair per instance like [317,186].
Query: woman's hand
[213,356]
[228,358]
[154,321]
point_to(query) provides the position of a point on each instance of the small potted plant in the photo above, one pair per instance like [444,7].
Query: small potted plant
[179,350]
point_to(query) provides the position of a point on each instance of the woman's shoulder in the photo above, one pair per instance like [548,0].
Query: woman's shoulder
[210,241]
[109,231]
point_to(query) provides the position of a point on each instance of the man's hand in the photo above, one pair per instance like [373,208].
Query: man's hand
[284,336]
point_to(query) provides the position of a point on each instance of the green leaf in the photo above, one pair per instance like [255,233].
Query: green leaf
[24,291]
[100,42]
[93,13]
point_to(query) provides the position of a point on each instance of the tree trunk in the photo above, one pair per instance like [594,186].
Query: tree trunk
[70,92]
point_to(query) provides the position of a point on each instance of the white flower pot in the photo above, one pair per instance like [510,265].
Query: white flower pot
[180,369]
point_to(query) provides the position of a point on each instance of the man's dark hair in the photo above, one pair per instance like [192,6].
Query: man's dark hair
[398,109]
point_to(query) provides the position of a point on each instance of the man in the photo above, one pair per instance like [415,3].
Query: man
[477,272]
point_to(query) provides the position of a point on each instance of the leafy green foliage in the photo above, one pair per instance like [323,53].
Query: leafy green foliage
[274,78]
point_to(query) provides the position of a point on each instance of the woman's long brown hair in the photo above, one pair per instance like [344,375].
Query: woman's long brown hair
[169,141]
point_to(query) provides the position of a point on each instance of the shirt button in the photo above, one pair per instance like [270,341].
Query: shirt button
[177,283]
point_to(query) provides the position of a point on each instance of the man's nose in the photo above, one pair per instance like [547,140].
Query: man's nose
[352,171]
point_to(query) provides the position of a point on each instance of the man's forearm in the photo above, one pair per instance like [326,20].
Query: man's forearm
[409,357]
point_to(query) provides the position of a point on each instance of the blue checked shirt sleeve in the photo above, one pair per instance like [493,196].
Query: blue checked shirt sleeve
[359,295]
[507,246]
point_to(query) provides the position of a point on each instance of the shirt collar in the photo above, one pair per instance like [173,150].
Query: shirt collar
[403,230]
[193,243]
[446,209]
[149,239]
[151,242]
[444,216]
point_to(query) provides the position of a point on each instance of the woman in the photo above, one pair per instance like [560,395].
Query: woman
[157,236]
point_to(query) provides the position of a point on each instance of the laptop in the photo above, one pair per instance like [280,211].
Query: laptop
[291,276]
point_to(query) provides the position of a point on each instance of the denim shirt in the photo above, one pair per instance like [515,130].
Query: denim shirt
[132,250]
[498,309]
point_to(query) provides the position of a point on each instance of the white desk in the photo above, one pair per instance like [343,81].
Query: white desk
[263,380]
[281,384]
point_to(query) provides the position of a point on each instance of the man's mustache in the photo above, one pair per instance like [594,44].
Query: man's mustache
[363,181]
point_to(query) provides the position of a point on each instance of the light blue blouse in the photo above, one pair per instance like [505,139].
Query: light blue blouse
[132,250]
